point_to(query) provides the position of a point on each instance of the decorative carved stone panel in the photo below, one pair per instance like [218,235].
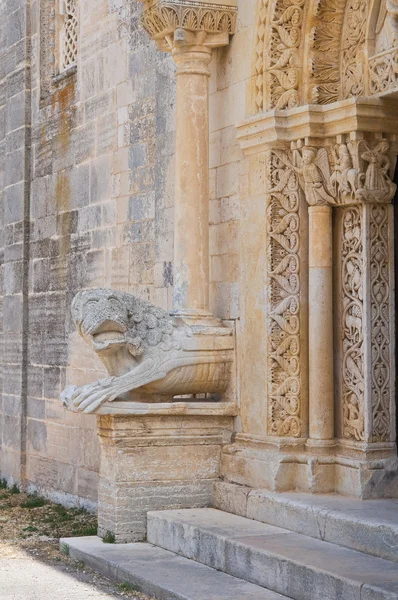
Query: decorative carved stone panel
[285,286]
[366,323]
[163,17]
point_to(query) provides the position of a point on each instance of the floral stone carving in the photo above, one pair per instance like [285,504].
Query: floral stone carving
[145,349]
[283,274]
[162,18]
[380,291]
[353,341]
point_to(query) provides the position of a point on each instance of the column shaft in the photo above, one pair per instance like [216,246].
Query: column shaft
[321,390]
[191,229]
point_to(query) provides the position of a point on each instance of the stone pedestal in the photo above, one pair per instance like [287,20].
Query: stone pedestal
[157,461]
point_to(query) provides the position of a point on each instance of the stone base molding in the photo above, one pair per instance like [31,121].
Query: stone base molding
[291,466]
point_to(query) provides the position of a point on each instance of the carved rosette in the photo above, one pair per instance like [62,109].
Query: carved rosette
[353,378]
[283,274]
[380,323]
[162,19]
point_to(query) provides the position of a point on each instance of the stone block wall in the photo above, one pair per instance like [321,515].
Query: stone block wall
[86,186]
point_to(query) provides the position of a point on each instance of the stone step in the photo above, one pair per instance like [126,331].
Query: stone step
[288,563]
[160,573]
[370,526]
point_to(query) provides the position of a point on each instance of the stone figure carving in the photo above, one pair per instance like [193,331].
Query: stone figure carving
[344,179]
[313,168]
[387,26]
[376,184]
[145,349]
[383,66]
[283,318]
[360,172]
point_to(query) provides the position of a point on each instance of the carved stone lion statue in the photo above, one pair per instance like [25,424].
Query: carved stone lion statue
[146,349]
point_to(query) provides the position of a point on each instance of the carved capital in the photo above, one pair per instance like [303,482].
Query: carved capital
[361,172]
[312,168]
[165,19]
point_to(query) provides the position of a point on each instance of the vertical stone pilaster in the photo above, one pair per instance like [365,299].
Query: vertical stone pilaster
[287,300]
[366,321]
[379,221]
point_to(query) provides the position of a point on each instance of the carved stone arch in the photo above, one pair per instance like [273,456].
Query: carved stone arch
[324,30]
[279,54]
[336,43]
[353,56]
[284,59]
[382,48]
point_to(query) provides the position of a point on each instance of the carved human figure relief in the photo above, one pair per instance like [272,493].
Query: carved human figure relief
[376,184]
[344,178]
[387,26]
[352,320]
[283,318]
[361,172]
[313,169]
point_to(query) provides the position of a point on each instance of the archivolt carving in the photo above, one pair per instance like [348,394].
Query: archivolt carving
[165,17]
[260,55]
[353,352]
[284,60]
[380,314]
[383,72]
[284,413]
[352,49]
[325,54]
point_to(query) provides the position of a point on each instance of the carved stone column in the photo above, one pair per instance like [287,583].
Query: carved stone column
[191,204]
[190,31]
[321,387]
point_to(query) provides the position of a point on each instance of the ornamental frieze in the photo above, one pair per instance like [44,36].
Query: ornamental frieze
[165,16]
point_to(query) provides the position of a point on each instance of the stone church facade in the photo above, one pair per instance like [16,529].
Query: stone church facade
[198,254]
